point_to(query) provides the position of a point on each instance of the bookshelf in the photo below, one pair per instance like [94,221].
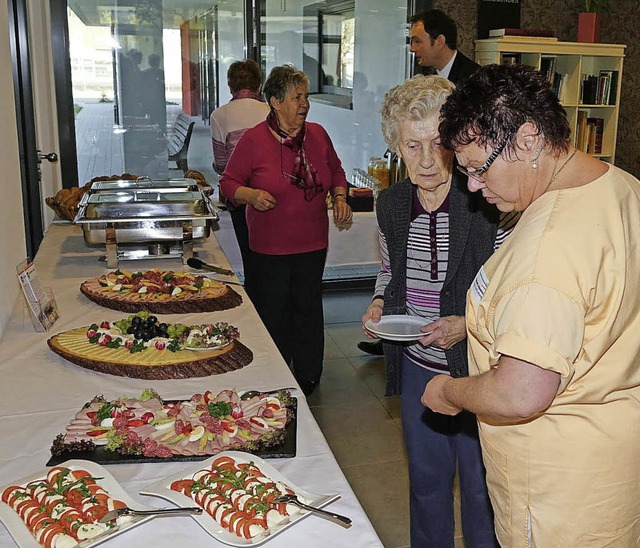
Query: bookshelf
[592,105]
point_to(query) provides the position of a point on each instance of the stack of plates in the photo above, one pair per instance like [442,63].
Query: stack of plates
[398,328]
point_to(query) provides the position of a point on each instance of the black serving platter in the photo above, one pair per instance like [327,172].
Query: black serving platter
[101,456]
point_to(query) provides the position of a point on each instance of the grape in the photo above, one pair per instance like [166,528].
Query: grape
[152,320]
[136,320]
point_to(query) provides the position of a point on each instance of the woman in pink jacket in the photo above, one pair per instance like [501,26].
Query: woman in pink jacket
[283,169]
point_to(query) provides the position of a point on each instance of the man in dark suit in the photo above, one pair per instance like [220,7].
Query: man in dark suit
[434,38]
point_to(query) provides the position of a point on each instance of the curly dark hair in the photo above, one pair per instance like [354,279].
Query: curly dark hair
[490,106]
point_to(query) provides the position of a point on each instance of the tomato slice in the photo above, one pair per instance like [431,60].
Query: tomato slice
[246,530]
[222,460]
[96,432]
[182,486]
[96,512]
[74,498]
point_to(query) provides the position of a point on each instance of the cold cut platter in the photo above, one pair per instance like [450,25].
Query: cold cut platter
[160,292]
[150,429]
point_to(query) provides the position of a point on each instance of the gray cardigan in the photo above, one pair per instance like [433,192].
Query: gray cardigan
[472,232]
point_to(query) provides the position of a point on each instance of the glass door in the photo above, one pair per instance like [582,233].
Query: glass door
[135,71]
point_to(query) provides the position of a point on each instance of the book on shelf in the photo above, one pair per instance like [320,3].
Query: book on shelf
[589,89]
[609,83]
[595,135]
[581,140]
[599,90]
[510,58]
[559,85]
[548,68]
[546,34]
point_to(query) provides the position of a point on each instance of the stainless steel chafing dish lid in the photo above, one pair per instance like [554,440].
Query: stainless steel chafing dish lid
[139,205]
[145,183]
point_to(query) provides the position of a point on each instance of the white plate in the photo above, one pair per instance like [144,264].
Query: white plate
[398,327]
[23,537]
[163,489]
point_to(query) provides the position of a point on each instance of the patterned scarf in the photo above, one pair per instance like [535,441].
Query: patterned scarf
[247,94]
[304,175]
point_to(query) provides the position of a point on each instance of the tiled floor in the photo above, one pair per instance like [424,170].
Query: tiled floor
[362,426]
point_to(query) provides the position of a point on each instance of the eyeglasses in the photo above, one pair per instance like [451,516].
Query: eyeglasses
[294,179]
[478,174]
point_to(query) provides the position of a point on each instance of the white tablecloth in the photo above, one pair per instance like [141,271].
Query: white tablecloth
[355,244]
[41,391]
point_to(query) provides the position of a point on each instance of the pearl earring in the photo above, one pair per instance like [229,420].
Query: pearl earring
[536,154]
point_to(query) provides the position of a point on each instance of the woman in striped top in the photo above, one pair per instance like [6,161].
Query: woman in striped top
[434,237]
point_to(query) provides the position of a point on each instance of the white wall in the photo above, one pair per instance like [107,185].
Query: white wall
[12,240]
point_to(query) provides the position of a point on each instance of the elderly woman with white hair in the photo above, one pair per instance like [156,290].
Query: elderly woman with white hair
[434,237]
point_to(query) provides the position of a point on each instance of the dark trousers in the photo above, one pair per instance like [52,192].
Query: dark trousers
[288,298]
[435,445]
[241,230]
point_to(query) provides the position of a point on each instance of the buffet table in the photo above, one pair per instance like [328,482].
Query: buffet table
[41,391]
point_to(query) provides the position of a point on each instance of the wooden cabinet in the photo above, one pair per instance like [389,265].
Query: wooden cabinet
[588,102]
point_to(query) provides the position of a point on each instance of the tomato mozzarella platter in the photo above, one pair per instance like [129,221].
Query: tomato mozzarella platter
[237,492]
[61,507]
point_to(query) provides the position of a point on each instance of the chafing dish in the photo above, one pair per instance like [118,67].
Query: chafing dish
[142,183]
[145,219]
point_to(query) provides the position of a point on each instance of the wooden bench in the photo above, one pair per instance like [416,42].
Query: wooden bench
[179,139]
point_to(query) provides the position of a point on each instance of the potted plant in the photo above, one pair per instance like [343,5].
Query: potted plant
[589,14]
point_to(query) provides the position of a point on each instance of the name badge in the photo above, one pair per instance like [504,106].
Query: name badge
[479,285]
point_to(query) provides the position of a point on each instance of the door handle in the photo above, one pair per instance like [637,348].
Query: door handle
[51,157]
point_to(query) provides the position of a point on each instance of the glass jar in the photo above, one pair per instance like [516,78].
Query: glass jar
[381,172]
[373,161]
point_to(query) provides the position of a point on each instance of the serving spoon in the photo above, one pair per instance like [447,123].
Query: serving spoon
[252,393]
[126,511]
[336,518]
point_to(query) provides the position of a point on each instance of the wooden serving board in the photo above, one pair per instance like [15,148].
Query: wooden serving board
[151,363]
[133,303]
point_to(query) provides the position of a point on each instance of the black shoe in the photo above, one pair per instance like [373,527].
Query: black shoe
[373,348]
[308,387]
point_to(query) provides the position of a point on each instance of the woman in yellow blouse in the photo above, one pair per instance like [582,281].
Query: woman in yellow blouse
[553,320]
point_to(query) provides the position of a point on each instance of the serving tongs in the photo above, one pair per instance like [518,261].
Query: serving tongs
[293,499]
[126,511]
[193,262]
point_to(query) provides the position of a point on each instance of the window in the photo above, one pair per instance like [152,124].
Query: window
[329,51]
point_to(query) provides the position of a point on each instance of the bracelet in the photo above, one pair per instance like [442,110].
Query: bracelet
[336,196]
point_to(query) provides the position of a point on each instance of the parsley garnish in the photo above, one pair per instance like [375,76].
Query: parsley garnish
[105,411]
[219,409]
